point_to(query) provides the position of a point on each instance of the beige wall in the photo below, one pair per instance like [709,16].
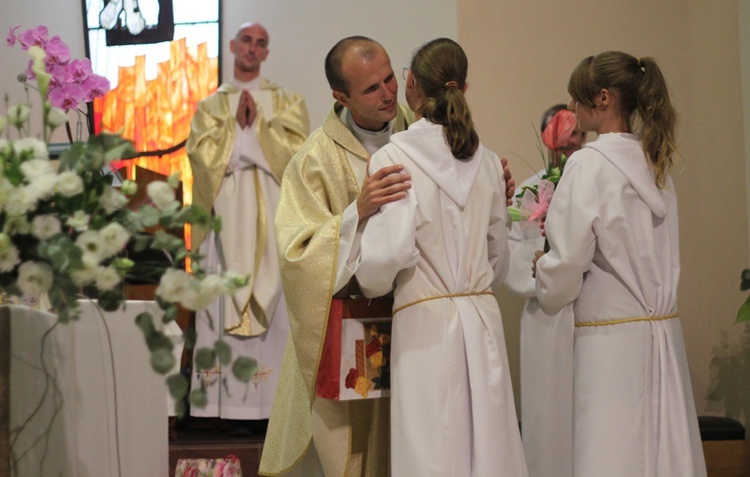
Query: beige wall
[521,53]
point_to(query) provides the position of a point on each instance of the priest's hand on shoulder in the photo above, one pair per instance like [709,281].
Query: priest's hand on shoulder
[510,183]
[389,184]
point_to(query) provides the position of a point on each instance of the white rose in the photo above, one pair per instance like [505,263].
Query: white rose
[161,194]
[114,237]
[175,285]
[90,244]
[44,227]
[20,201]
[37,148]
[18,115]
[34,278]
[112,199]
[107,278]
[8,254]
[69,184]
[36,167]
[6,189]
[79,221]
[17,225]
[87,275]
[56,117]
[43,187]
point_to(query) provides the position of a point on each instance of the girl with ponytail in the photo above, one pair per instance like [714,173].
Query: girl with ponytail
[614,253]
[445,249]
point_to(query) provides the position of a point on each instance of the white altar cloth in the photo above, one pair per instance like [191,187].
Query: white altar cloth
[90,412]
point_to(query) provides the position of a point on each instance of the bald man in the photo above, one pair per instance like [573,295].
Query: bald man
[242,138]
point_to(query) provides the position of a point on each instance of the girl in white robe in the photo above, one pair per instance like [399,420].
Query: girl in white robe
[612,229]
[445,246]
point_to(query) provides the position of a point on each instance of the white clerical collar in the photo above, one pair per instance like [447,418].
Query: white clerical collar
[253,84]
[371,140]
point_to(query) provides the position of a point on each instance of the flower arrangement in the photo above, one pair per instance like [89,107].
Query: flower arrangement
[64,226]
[534,200]
[377,353]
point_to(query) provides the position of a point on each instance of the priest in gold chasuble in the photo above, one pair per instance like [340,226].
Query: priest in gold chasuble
[325,197]
[241,139]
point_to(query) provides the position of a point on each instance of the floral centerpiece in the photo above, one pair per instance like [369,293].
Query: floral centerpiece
[64,226]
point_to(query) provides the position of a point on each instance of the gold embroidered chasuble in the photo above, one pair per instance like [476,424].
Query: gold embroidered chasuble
[351,437]
[209,148]
[211,140]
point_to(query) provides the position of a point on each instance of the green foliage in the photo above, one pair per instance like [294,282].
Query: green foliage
[205,358]
[223,352]
[244,368]
[178,386]
[199,397]
[162,360]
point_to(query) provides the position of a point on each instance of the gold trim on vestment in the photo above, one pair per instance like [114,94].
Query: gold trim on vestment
[422,300]
[626,320]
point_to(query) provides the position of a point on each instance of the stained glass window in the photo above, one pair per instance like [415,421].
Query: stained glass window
[161,57]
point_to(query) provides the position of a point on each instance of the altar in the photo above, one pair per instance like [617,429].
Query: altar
[84,400]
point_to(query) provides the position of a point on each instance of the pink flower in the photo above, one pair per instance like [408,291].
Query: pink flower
[58,76]
[67,96]
[57,51]
[557,133]
[78,70]
[10,40]
[536,205]
[95,86]
[33,37]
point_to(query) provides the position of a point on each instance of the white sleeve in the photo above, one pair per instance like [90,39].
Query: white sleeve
[570,231]
[497,233]
[349,245]
[389,239]
[523,243]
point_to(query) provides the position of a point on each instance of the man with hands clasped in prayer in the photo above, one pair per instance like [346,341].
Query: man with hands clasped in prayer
[241,139]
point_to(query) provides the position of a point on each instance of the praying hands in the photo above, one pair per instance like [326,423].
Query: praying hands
[247,110]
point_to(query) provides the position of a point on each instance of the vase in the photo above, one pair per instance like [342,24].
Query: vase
[80,398]
[4,392]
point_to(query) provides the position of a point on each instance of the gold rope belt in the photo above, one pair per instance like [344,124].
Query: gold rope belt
[438,297]
[625,320]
